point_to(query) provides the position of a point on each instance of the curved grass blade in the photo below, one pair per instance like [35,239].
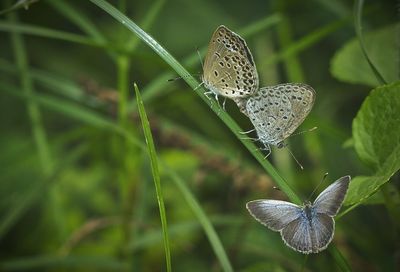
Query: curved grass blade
[204,221]
[157,86]
[20,4]
[358,7]
[57,263]
[152,43]
[95,119]
[156,175]
[339,259]
[49,33]
[79,18]
[35,115]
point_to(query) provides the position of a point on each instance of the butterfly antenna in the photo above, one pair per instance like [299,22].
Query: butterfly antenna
[182,77]
[173,79]
[201,60]
[298,163]
[319,184]
[304,131]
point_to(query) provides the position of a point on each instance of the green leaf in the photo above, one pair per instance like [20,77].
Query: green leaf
[362,187]
[376,128]
[376,133]
[350,65]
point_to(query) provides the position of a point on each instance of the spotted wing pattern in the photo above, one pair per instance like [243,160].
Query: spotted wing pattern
[229,68]
[277,111]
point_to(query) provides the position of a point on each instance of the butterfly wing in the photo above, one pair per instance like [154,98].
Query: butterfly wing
[307,236]
[296,235]
[274,214]
[277,111]
[229,68]
[331,199]
[323,228]
[301,98]
[268,111]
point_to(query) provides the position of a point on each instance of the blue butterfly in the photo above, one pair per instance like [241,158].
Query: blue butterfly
[308,228]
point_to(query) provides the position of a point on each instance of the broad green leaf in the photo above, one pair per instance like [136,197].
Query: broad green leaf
[362,187]
[350,65]
[376,129]
[376,133]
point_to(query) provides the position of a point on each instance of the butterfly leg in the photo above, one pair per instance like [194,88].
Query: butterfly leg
[249,138]
[247,132]
[207,94]
[219,109]
[223,104]
[268,149]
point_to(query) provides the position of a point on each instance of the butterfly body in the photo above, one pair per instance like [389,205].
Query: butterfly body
[308,228]
[229,69]
[308,212]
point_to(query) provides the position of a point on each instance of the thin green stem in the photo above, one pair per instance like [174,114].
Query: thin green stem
[38,131]
[123,153]
[123,66]
[358,8]
[18,5]
[48,33]
[306,41]
[79,18]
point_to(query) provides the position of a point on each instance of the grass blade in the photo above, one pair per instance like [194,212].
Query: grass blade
[358,7]
[157,86]
[149,19]
[152,43]
[93,118]
[38,189]
[34,113]
[57,263]
[204,221]
[20,4]
[156,175]
[49,33]
[80,19]
[339,259]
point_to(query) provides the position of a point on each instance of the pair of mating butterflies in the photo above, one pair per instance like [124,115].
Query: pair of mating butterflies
[275,112]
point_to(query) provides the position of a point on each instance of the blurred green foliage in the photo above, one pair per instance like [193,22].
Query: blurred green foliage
[76,189]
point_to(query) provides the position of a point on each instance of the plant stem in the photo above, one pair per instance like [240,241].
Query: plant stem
[38,131]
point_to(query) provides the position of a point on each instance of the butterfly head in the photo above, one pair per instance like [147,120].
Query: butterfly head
[281,144]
